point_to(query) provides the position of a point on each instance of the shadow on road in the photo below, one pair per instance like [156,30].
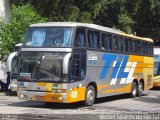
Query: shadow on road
[111,98]
[156,89]
[153,97]
[152,100]
[114,98]
[38,104]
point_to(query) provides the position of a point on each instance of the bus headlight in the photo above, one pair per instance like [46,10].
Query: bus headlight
[59,90]
[21,96]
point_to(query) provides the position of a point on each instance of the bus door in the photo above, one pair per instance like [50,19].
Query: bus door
[78,65]
[78,58]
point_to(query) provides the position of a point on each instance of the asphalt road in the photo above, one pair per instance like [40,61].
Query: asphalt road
[114,107]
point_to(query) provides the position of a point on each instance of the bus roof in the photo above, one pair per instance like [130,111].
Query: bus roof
[136,37]
[74,24]
[92,26]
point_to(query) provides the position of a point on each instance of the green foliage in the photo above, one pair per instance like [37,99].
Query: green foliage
[147,18]
[114,14]
[125,22]
[65,10]
[14,31]
[131,16]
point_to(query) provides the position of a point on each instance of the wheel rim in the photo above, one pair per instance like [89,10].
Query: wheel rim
[90,96]
[140,88]
[134,90]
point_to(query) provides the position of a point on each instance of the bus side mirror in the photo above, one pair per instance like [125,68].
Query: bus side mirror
[66,63]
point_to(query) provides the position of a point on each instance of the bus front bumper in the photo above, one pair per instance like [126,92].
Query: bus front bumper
[42,96]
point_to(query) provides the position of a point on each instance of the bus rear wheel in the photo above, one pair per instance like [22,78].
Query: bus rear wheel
[90,96]
[140,89]
[134,89]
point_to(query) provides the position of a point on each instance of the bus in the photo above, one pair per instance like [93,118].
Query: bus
[66,62]
[156,78]
[10,71]
[12,67]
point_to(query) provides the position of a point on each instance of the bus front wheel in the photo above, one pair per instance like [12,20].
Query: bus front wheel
[134,89]
[90,96]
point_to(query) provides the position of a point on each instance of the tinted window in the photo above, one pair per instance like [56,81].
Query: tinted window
[139,47]
[106,42]
[93,39]
[49,37]
[115,40]
[14,65]
[150,48]
[143,48]
[129,41]
[120,43]
[146,47]
[127,45]
[135,46]
[80,38]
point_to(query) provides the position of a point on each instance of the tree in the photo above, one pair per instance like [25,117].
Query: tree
[147,18]
[131,16]
[65,10]
[114,14]
[14,31]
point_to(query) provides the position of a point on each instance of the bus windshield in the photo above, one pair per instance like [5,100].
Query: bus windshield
[156,65]
[48,37]
[37,66]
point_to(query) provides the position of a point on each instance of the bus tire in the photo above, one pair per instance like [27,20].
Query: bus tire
[140,89]
[90,96]
[134,89]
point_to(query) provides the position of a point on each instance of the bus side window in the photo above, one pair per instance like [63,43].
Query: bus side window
[14,65]
[129,45]
[80,38]
[139,47]
[106,42]
[117,43]
[143,48]
[120,43]
[146,48]
[135,46]
[150,48]
[115,40]
[93,39]
[125,45]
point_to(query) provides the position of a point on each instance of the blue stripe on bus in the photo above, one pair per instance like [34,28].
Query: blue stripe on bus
[121,60]
[109,59]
